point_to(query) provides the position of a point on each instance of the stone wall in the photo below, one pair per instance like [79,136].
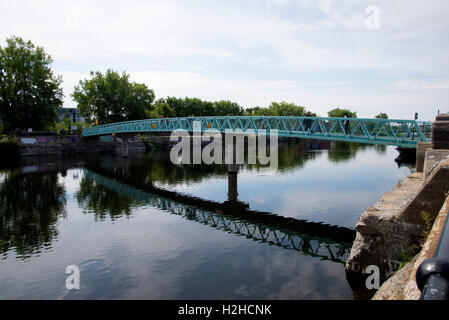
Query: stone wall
[59,149]
[60,146]
[402,285]
[395,226]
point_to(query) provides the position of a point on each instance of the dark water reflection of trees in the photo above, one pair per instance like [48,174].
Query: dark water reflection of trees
[102,201]
[30,206]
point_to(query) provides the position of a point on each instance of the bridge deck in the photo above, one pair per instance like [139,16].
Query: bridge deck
[402,133]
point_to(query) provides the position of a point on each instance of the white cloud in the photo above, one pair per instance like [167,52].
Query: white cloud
[316,53]
[318,96]
[420,84]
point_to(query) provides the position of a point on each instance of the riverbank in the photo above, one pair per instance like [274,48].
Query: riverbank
[48,144]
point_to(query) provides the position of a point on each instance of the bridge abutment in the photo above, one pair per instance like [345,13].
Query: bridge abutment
[440,132]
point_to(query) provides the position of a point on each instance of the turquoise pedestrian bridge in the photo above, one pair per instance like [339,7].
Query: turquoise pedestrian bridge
[401,133]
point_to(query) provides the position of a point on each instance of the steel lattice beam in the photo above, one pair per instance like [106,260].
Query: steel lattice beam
[402,133]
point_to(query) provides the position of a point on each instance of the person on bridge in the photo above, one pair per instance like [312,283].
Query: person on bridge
[346,123]
[308,122]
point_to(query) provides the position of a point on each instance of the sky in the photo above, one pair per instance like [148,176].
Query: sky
[370,56]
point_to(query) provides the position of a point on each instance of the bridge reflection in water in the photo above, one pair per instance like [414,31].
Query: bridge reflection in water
[310,238]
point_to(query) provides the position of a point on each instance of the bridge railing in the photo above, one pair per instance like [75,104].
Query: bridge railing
[405,133]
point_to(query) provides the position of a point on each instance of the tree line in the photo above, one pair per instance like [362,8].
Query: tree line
[31,95]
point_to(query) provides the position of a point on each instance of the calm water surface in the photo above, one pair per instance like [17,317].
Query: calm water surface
[143,228]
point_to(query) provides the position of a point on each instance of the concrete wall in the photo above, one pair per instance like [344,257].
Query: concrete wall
[402,285]
[396,225]
[47,146]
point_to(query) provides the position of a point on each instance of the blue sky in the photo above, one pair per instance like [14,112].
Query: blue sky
[370,56]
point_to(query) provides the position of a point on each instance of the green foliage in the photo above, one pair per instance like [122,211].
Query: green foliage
[344,151]
[112,98]
[227,108]
[287,109]
[161,109]
[340,113]
[427,224]
[67,126]
[404,258]
[105,203]
[66,122]
[278,109]
[30,94]
[187,107]
[30,207]
[148,144]
[382,115]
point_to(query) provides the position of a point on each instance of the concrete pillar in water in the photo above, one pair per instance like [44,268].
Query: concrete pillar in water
[232,184]
[125,166]
[124,147]
[233,169]
[440,132]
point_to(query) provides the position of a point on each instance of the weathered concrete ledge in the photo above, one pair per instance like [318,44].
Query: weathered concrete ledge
[402,285]
[396,226]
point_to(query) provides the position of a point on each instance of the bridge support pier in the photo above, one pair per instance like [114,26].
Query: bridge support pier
[232,183]
[125,143]
[125,148]
[233,168]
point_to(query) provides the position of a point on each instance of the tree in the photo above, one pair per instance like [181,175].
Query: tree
[161,109]
[67,124]
[112,98]
[286,109]
[30,94]
[227,108]
[196,107]
[178,106]
[340,113]
[382,115]
[278,109]
[66,121]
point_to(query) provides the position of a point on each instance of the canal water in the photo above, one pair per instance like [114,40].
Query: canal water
[143,228]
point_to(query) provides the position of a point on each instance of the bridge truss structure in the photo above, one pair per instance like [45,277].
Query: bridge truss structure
[401,133]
